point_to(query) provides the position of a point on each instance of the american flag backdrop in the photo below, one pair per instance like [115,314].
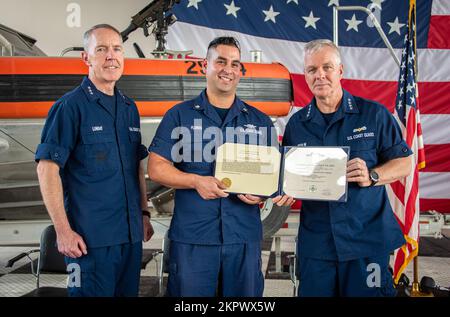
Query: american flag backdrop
[404,194]
[280,29]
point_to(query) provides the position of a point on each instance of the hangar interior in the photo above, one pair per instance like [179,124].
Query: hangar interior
[28,29]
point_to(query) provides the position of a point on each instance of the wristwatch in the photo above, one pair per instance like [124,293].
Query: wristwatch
[146,213]
[374,177]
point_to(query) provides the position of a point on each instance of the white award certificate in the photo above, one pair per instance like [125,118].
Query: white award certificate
[315,173]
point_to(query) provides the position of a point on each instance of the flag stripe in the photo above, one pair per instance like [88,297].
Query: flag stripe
[435,128]
[438,33]
[435,185]
[410,208]
[377,63]
[434,97]
[430,65]
[411,127]
[398,189]
[440,205]
[437,158]
[440,7]
[399,259]
[381,91]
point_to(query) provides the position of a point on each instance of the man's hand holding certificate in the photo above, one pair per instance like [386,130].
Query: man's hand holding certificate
[313,173]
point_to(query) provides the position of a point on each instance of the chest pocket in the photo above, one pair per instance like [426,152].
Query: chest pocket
[132,155]
[100,150]
[135,137]
[198,158]
[364,149]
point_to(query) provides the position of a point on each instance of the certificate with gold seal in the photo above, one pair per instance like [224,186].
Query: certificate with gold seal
[307,173]
[249,169]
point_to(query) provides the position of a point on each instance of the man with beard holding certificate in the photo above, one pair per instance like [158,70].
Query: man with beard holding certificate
[339,243]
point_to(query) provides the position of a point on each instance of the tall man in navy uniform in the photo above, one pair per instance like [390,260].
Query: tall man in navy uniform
[343,248]
[215,236]
[91,173]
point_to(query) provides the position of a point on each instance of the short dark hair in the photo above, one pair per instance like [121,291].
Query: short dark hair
[88,33]
[223,40]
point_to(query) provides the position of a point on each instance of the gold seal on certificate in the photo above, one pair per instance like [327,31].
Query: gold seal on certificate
[227,182]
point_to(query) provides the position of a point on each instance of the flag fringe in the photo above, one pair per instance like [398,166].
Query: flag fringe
[412,255]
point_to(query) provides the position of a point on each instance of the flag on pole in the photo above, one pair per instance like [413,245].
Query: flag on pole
[404,194]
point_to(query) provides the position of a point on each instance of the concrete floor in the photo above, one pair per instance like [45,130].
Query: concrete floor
[12,285]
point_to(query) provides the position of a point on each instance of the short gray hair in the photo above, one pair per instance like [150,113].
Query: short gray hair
[88,33]
[317,45]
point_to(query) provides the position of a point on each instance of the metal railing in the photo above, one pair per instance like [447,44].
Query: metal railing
[374,20]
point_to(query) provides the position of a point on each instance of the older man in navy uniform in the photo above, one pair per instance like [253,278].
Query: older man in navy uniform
[343,248]
[215,236]
[91,174]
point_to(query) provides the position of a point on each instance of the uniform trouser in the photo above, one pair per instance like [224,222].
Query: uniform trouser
[107,271]
[215,270]
[365,277]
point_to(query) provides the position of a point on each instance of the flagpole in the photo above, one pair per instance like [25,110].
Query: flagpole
[415,288]
[415,291]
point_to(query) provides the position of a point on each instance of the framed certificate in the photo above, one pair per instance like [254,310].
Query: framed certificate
[315,173]
[249,169]
[307,173]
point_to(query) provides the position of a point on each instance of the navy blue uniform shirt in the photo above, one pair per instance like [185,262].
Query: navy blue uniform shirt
[109,102]
[187,136]
[364,225]
[99,158]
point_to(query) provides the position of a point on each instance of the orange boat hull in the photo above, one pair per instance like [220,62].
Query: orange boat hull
[30,85]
